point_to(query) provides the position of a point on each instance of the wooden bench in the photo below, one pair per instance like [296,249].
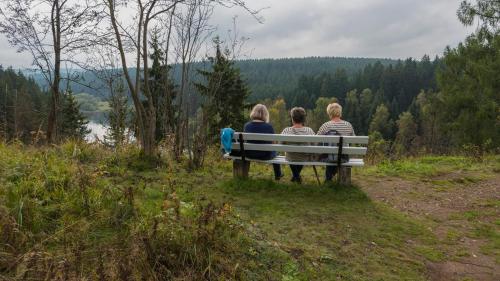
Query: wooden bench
[354,146]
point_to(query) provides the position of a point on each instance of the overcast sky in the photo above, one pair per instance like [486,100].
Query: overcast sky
[351,28]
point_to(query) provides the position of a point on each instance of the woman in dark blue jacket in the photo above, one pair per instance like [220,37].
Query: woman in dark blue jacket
[260,124]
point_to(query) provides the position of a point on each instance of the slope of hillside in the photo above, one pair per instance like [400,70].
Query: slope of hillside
[79,211]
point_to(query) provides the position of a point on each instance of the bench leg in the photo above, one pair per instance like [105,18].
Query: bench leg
[240,169]
[345,175]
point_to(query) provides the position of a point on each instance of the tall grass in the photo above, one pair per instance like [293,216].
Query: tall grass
[78,211]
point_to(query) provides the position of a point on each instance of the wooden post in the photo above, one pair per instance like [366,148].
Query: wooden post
[345,175]
[240,169]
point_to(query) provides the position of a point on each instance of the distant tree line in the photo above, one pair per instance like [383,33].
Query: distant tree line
[23,110]
[22,106]
[395,85]
[266,78]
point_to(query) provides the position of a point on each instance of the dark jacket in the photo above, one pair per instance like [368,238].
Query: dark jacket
[259,128]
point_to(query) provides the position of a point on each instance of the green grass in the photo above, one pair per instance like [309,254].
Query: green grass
[483,225]
[434,166]
[330,230]
[118,214]
[108,215]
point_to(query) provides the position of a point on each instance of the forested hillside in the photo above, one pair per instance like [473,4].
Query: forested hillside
[23,110]
[266,78]
[394,84]
[270,78]
[22,105]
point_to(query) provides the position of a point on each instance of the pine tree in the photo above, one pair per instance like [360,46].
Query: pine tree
[382,123]
[278,115]
[162,90]
[73,123]
[427,110]
[117,116]
[224,92]
[351,111]
[407,132]
[469,82]
[367,107]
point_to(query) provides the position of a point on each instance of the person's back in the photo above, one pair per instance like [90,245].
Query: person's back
[343,127]
[260,125]
[259,128]
[298,116]
[297,156]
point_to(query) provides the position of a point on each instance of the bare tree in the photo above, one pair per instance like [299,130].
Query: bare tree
[53,32]
[133,39]
[192,29]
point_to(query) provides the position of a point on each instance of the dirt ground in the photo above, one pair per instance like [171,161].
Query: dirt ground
[453,206]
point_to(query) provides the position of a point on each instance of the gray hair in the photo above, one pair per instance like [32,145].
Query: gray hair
[259,112]
[334,110]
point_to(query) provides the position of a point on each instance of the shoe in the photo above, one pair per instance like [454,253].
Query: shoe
[297,180]
[277,178]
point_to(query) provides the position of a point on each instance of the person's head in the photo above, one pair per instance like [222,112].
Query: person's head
[334,110]
[259,113]
[298,115]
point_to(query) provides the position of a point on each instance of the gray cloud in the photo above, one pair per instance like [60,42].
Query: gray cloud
[359,28]
[354,28]
[10,57]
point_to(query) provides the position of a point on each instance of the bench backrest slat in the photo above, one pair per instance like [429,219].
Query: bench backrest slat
[302,148]
[313,139]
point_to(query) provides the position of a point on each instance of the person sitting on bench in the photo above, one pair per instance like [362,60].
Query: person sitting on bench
[335,126]
[298,115]
[260,124]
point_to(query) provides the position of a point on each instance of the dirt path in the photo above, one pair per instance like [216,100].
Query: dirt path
[454,208]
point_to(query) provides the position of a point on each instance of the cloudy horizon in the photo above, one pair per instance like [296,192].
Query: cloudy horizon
[394,29]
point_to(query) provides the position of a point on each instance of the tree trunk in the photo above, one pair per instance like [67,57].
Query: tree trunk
[148,137]
[52,122]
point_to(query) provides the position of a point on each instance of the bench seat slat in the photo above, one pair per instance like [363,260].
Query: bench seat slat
[282,160]
[301,138]
[301,148]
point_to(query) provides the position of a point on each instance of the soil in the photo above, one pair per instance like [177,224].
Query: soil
[444,200]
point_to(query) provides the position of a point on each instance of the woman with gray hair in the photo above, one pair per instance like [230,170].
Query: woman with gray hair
[260,124]
[298,115]
[336,126]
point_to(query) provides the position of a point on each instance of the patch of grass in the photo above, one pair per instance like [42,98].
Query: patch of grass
[462,253]
[109,216]
[338,230]
[433,166]
[491,233]
[430,253]
[452,236]
[471,215]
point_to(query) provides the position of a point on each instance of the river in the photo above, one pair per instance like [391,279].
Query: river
[96,131]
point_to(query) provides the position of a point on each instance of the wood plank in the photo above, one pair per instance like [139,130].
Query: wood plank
[301,148]
[282,160]
[345,175]
[301,138]
[240,169]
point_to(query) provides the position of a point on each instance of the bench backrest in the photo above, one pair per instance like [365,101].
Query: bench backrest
[352,146]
